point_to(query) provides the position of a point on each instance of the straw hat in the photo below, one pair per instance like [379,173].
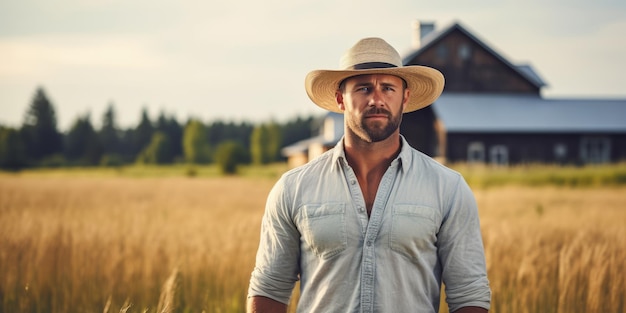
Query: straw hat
[374,56]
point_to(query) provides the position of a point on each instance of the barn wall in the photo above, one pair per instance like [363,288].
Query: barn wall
[418,128]
[468,67]
[533,148]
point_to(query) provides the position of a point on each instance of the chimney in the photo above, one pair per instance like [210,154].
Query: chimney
[420,30]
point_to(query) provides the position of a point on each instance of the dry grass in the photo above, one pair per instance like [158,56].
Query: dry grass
[69,245]
[109,244]
[555,249]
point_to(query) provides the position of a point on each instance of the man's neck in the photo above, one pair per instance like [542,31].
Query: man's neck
[364,157]
[370,161]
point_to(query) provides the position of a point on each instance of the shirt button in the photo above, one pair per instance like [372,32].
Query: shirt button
[361,209]
[369,243]
[353,182]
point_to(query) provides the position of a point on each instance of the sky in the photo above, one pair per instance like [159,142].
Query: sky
[245,60]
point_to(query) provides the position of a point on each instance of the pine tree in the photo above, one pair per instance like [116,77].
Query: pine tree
[173,131]
[39,129]
[143,133]
[109,134]
[296,130]
[83,146]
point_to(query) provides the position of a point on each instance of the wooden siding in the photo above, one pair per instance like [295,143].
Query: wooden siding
[418,128]
[468,67]
[535,148]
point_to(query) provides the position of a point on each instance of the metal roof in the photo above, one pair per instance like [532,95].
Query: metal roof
[506,113]
[326,137]
[531,74]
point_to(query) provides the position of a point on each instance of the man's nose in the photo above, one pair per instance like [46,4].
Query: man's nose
[376,98]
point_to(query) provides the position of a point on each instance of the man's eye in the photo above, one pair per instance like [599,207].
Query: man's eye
[363,89]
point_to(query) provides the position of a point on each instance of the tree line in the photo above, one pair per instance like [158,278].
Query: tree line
[39,143]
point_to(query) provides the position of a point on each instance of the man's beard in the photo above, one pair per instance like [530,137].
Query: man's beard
[375,131]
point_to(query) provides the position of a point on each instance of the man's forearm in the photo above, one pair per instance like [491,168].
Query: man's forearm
[265,305]
[471,309]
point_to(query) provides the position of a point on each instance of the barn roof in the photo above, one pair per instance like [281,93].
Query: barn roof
[502,113]
[525,70]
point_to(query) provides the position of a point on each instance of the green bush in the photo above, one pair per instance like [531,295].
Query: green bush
[111,160]
[191,171]
[229,155]
[55,160]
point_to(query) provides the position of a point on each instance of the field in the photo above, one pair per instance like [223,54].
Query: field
[111,242]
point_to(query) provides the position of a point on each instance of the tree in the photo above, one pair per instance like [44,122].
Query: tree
[228,155]
[195,144]
[109,134]
[39,129]
[174,132]
[143,133]
[220,131]
[296,130]
[82,143]
[12,150]
[265,143]
[158,151]
[127,145]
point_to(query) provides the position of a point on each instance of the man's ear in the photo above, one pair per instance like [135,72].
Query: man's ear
[407,94]
[339,98]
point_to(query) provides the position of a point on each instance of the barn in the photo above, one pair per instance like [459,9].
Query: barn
[491,111]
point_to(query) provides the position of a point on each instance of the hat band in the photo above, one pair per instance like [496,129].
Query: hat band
[370,65]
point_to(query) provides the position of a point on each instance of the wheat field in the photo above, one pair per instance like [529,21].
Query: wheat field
[176,244]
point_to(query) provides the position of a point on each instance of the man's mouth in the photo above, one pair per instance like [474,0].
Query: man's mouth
[377,116]
[377,113]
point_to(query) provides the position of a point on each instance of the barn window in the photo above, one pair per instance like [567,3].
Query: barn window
[476,152]
[499,155]
[442,51]
[465,52]
[560,151]
[595,149]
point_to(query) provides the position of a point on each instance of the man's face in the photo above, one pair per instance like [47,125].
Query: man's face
[373,105]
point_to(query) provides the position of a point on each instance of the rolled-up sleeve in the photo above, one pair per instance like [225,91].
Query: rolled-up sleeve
[461,253]
[277,260]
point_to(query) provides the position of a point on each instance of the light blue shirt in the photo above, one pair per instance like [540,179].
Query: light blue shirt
[423,229]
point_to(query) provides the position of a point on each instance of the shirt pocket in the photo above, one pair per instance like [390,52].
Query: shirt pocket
[413,231]
[324,229]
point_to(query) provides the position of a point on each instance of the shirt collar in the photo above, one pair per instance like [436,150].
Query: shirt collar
[403,160]
[339,155]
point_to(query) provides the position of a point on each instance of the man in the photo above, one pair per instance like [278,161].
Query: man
[372,225]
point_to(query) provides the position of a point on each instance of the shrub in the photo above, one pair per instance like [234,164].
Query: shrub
[111,160]
[229,155]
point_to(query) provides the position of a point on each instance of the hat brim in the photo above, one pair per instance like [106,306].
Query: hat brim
[425,85]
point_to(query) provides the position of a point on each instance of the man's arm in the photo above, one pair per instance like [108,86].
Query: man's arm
[471,309]
[258,304]
[461,249]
